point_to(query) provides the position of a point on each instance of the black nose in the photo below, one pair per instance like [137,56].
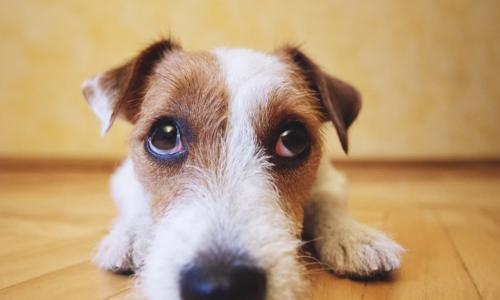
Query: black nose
[223,283]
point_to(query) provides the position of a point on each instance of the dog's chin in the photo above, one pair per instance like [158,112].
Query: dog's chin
[214,239]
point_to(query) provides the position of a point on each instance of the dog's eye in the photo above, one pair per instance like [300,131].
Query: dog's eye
[293,141]
[165,139]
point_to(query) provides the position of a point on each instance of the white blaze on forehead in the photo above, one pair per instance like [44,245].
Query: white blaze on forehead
[250,76]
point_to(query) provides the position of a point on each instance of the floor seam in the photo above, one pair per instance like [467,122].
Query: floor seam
[44,274]
[462,261]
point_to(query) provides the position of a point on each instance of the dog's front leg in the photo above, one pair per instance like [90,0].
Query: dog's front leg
[344,245]
[123,249]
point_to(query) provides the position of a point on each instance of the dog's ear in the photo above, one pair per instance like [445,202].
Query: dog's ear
[341,102]
[118,92]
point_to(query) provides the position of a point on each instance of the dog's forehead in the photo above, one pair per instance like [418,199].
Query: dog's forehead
[241,65]
[250,76]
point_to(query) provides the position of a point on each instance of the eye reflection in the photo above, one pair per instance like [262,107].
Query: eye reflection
[293,141]
[165,139]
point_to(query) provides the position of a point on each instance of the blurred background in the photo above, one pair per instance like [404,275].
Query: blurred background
[428,70]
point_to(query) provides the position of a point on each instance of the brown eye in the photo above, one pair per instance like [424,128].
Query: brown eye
[293,141]
[165,140]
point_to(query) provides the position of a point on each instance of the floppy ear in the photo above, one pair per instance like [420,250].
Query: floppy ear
[119,91]
[341,101]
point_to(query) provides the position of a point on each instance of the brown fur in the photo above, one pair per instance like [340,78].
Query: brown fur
[187,87]
[126,84]
[292,102]
[340,101]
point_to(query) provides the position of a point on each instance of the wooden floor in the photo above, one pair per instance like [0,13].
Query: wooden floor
[447,216]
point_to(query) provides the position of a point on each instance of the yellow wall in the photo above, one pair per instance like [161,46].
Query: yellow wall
[429,70]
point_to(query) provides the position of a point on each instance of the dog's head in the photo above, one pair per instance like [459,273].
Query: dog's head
[226,144]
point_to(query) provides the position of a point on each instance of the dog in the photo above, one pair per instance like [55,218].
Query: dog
[225,175]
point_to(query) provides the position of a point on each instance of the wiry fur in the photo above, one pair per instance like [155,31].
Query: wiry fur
[344,245]
[228,197]
[123,248]
[99,102]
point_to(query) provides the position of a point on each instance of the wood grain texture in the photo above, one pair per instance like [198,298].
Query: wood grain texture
[447,216]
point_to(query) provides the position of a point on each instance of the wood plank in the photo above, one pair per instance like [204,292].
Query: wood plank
[494,214]
[17,243]
[477,240]
[429,264]
[126,294]
[431,267]
[431,193]
[81,281]
[69,197]
[25,265]
[46,228]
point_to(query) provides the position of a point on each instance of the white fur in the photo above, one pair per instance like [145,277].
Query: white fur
[250,76]
[124,247]
[100,103]
[344,245]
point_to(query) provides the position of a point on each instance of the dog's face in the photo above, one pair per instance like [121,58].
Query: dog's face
[226,145]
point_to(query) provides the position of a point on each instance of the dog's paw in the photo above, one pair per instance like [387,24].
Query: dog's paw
[114,253]
[359,251]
